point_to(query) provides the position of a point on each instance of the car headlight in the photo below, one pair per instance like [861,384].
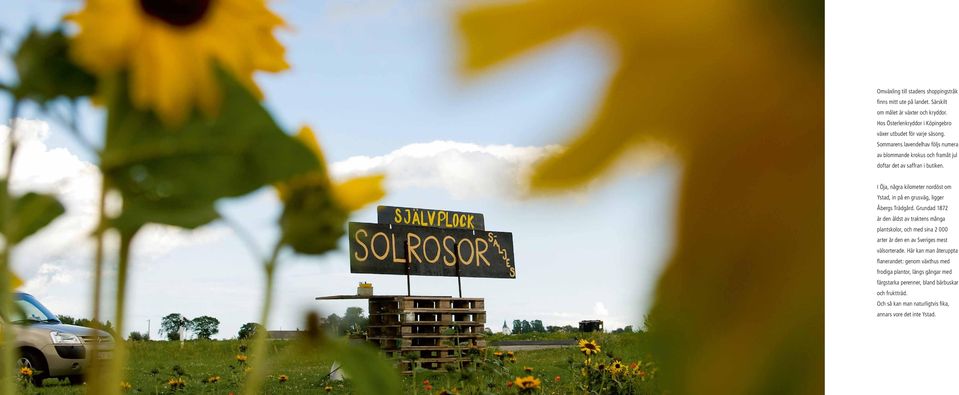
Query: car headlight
[65,338]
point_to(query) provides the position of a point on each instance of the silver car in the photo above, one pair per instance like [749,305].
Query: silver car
[54,349]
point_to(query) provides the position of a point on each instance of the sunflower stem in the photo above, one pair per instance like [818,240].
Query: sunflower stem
[96,366]
[6,292]
[259,363]
[115,374]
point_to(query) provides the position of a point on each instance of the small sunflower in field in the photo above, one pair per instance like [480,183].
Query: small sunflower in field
[170,48]
[26,372]
[588,347]
[213,379]
[526,384]
[176,383]
[527,369]
[499,354]
[241,358]
[599,366]
[328,388]
[125,386]
[283,378]
[616,367]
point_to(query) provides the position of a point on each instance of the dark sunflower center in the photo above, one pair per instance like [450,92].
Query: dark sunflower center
[179,13]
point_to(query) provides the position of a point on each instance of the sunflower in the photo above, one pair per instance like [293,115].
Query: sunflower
[283,378]
[527,369]
[125,386]
[588,347]
[176,383]
[26,372]
[350,195]
[616,367]
[170,48]
[526,384]
[328,388]
[213,379]
[316,208]
[241,358]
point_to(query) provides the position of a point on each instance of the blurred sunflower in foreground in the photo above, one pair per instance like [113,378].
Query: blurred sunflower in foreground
[735,89]
[170,48]
[314,196]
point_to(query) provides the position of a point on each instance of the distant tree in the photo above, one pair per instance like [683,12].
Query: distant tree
[137,336]
[171,324]
[517,327]
[527,328]
[537,326]
[104,326]
[248,330]
[336,324]
[205,327]
[66,319]
[628,329]
[353,320]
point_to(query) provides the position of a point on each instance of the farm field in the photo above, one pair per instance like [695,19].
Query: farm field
[154,363]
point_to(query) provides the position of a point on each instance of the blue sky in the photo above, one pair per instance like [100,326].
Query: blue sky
[377,82]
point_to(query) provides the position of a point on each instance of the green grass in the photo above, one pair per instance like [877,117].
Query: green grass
[152,364]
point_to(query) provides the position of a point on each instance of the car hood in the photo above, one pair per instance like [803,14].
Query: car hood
[72,329]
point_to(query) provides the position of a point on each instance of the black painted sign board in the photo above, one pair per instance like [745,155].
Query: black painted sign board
[382,249]
[444,219]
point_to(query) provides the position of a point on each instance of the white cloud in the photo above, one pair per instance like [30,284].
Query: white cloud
[600,309]
[462,169]
[62,252]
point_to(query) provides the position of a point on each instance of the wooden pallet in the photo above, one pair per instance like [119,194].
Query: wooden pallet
[428,331]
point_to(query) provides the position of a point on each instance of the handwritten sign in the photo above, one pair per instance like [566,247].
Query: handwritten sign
[382,249]
[428,217]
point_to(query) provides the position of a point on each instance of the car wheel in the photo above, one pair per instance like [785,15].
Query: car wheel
[76,380]
[35,361]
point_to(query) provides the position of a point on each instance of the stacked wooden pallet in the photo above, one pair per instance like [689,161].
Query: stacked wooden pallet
[429,331]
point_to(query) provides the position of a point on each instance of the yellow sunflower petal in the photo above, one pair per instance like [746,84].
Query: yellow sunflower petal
[172,65]
[15,281]
[735,88]
[308,138]
[499,32]
[357,192]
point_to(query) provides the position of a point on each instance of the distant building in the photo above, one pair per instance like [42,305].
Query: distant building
[506,330]
[591,326]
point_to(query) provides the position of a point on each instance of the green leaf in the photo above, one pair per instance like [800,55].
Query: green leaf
[31,212]
[46,71]
[370,372]
[174,175]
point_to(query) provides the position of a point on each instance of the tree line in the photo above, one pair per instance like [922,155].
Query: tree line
[203,327]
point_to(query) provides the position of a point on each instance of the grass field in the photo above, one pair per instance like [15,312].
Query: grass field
[154,363]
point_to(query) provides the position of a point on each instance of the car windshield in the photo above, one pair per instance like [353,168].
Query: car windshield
[28,310]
